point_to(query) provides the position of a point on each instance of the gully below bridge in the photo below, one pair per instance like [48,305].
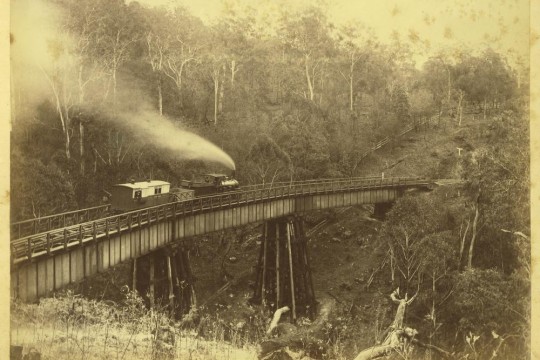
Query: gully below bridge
[43,262]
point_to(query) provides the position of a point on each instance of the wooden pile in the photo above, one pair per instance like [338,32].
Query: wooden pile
[164,277]
[283,271]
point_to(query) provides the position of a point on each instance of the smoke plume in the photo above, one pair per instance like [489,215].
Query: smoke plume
[157,130]
[44,56]
[37,44]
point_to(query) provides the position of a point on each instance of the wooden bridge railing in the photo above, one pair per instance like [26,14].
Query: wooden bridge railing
[26,248]
[42,224]
[46,223]
[34,226]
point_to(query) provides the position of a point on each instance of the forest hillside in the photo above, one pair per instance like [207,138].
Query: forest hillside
[112,90]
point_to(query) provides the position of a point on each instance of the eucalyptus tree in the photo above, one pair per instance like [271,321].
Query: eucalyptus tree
[498,175]
[410,227]
[157,38]
[187,37]
[81,22]
[307,36]
[355,44]
[437,77]
[486,79]
[267,160]
[118,30]
[61,78]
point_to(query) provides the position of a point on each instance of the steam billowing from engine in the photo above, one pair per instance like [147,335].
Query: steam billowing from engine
[159,131]
[42,51]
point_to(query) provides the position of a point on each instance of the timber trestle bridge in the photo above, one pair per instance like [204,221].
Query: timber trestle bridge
[51,252]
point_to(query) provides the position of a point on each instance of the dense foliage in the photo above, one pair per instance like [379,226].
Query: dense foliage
[468,253]
[298,98]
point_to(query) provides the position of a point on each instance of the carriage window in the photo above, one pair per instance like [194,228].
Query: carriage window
[157,190]
[138,194]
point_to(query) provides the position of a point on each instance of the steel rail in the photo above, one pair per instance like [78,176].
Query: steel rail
[26,248]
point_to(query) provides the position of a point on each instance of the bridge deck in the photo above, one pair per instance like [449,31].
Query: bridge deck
[61,239]
[42,224]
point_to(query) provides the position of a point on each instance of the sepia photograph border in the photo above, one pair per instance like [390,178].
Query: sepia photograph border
[5,130]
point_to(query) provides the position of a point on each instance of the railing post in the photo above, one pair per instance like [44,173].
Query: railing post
[80,234]
[107,228]
[48,237]
[94,235]
[65,239]
[29,249]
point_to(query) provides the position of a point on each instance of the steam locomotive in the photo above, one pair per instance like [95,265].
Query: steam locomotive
[138,195]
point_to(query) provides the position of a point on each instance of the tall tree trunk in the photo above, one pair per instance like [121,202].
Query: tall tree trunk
[81,146]
[64,118]
[216,90]
[81,124]
[460,106]
[66,130]
[221,91]
[473,238]
[351,92]
[462,244]
[114,89]
[160,97]
[179,85]
[433,316]
[308,78]
[234,70]
[392,266]
[67,143]
[449,95]
[351,80]
[95,161]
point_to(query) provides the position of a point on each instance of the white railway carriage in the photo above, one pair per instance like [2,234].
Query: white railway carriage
[137,195]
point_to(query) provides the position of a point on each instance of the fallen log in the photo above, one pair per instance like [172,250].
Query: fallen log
[303,338]
[398,337]
[374,352]
[275,319]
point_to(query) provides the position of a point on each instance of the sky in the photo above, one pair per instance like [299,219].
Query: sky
[429,25]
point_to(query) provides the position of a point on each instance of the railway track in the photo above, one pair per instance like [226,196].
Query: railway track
[59,239]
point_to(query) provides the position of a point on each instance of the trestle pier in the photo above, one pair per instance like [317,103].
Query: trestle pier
[283,271]
[165,280]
